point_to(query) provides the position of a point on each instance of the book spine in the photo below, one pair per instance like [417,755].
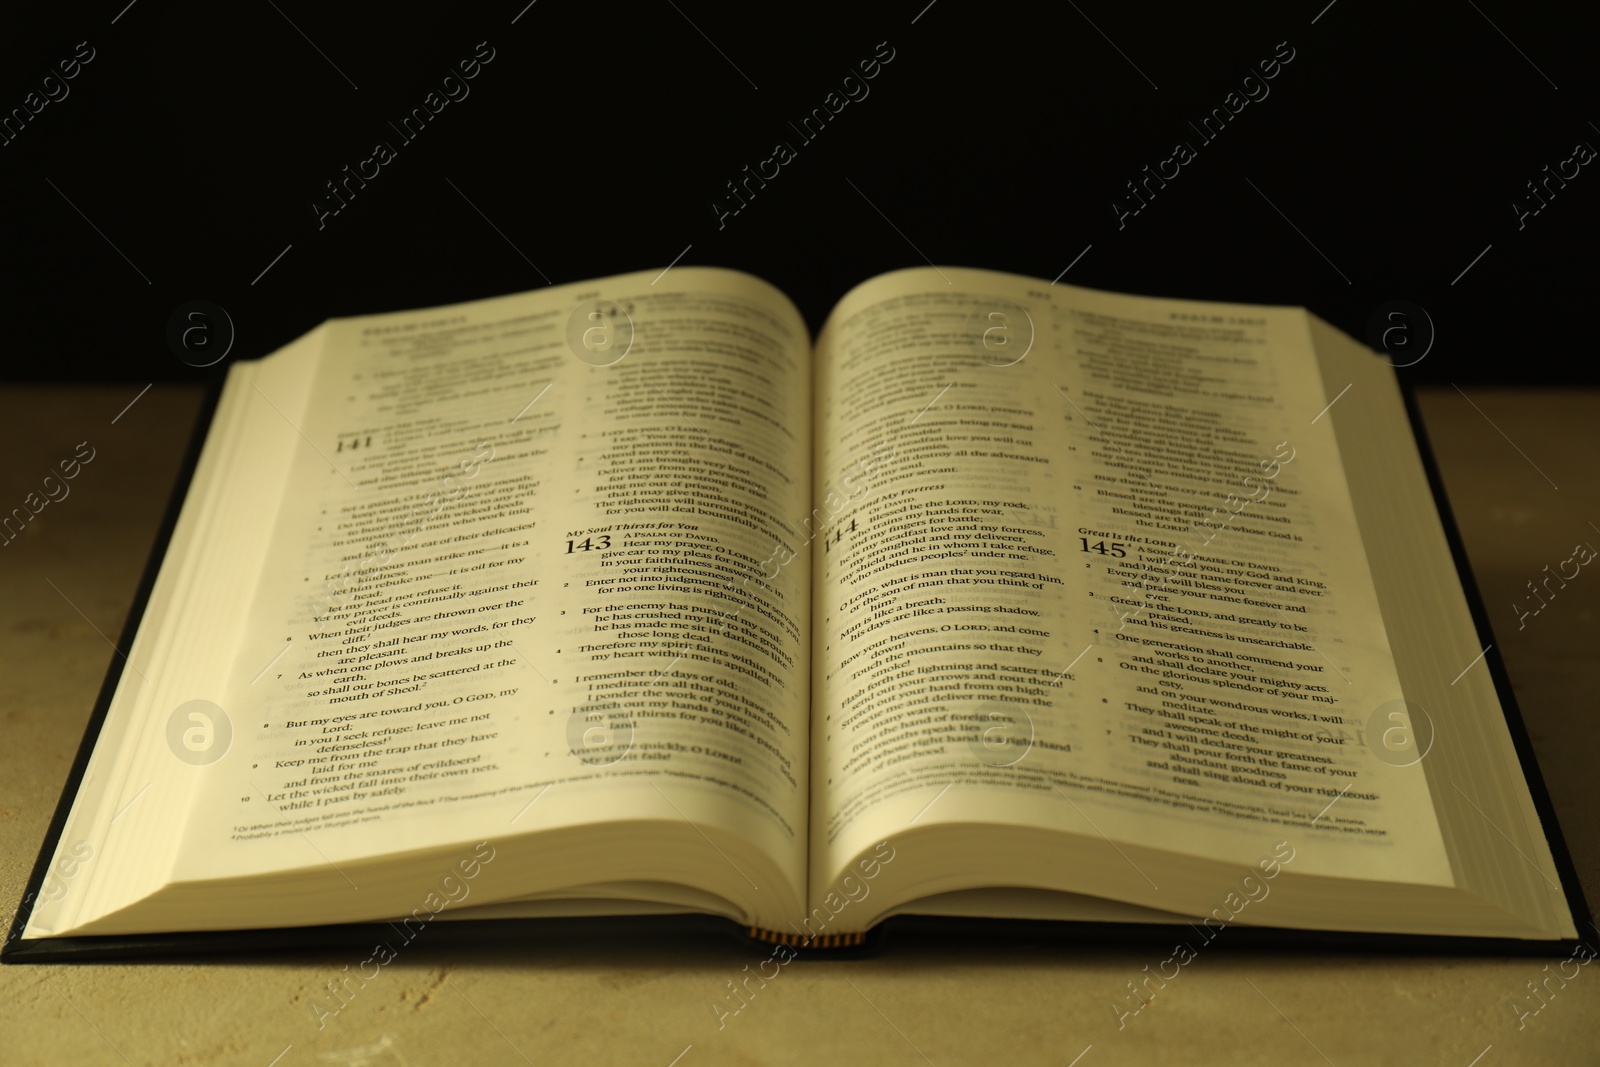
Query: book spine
[815,941]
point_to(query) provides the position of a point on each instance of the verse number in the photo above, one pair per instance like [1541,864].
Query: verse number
[589,544]
[1117,548]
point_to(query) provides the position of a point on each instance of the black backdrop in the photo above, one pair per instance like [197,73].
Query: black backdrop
[1381,163]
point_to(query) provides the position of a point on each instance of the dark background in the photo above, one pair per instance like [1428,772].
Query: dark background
[597,138]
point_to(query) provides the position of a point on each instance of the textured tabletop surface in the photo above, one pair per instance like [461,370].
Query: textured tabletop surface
[1523,473]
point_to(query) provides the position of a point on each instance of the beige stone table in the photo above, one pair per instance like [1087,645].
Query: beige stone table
[1523,473]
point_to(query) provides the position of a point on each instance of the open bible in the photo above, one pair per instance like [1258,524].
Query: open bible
[1003,600]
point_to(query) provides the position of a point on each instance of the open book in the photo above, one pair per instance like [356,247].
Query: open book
[1003,600]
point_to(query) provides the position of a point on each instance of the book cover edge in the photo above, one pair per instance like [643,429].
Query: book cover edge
[14,946]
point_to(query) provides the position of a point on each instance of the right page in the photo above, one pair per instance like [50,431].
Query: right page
[1103,578]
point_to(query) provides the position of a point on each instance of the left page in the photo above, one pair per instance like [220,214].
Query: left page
[521,582]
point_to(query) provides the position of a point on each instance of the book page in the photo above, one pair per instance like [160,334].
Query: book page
[117,840]
[1490,824]
[523,579]
[1106,581]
